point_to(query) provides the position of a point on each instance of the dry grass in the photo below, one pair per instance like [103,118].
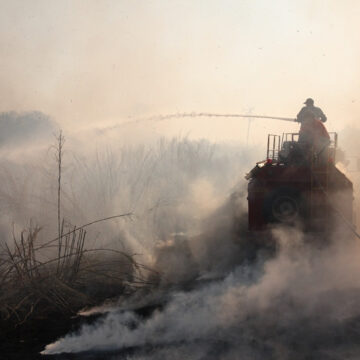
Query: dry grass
[34,284]
[61,276]
[65,274]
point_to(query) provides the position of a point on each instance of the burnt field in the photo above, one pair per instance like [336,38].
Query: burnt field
[143,253]
[294,305]
[152,202]
[52,268]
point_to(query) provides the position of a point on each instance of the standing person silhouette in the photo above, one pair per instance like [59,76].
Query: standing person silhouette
[318,113]
[313,136]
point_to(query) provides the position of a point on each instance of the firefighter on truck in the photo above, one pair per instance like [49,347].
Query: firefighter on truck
[313,135]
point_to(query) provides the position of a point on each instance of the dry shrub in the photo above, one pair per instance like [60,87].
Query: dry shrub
[34,283]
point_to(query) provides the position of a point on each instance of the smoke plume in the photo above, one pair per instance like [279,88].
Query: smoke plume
[189,206]
[300,304]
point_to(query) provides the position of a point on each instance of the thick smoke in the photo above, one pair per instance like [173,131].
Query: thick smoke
[189,223]
[300,304]
[170,186]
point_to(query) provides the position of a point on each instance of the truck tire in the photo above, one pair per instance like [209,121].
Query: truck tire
[283,205]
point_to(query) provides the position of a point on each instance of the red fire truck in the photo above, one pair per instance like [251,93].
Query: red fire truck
[297,187]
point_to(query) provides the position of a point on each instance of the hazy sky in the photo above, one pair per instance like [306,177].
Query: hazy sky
[95,62]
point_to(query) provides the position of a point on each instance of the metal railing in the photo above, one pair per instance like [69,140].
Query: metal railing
[295,137]
[273,147]
[275,144]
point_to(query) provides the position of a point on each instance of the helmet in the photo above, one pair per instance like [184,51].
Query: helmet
[309,101]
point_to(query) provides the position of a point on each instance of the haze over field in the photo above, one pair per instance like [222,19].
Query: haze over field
[108,73]
[90,63]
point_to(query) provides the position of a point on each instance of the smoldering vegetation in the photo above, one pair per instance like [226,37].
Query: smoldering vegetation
[75,235]
[183,252]
[298,300]
[300,304]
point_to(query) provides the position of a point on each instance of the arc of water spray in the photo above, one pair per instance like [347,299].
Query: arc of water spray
[206,114]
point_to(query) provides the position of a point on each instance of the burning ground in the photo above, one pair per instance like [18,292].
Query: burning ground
[301,303]
[206,295]
[161,187]
[151,232]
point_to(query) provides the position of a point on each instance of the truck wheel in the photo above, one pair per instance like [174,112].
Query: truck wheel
[282,207]
[285,208]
